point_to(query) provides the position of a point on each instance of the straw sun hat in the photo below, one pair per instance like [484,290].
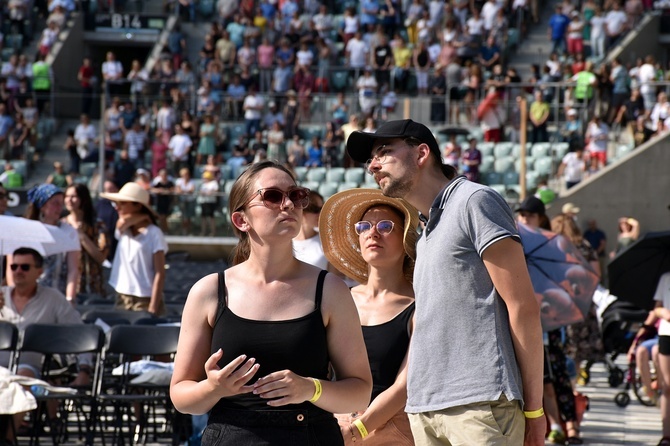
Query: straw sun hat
[340,241]
[131,192]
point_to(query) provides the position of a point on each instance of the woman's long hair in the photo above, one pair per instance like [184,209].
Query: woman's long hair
[239,196]
[86,203]
[565,225]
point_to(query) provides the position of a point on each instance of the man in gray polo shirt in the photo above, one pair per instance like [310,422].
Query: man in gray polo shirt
[476,357]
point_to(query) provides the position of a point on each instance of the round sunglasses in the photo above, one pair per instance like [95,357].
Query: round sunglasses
[274,198]
[383,227]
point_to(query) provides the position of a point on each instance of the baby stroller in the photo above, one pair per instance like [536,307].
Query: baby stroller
[620,322]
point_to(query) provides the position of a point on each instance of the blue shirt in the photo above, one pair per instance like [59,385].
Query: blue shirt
[595,238]
[236,91]
[372,6]
[6,123]
[282,79]
[269,11]
[488,53]
[236,33]
[558,23]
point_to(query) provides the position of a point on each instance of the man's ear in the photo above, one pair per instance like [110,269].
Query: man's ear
[423,154]
[240,221]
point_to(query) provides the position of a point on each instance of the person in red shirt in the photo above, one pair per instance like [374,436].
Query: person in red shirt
[85,78]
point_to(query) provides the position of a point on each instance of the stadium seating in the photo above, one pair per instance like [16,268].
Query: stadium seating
[486,148]
[529,164]
[311,185]
[491,178]
[335,175]
[300,173]
[532,178]
[544,166]
[327,189]
[502,149]
[560,149]
[540,149]
[510,178]
[316,174]
[346,186]
[503,164]
[354,175]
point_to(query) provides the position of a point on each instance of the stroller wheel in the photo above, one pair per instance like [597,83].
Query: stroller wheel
[622,399]
[616,377]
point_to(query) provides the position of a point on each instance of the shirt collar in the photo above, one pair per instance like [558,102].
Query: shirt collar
[439,204]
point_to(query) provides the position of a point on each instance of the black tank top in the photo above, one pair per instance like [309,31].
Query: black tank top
[423,58]
[387,345]
[299,345]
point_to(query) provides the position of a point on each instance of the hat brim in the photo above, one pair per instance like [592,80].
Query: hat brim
[359,144]
[115,196]
[339,239]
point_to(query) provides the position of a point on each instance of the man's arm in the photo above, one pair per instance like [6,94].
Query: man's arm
[506,265]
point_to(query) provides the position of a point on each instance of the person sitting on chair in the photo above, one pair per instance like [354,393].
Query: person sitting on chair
[26,303]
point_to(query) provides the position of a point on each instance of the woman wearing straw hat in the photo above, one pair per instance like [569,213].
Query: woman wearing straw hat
[371,238]
[258,340]
[138,270]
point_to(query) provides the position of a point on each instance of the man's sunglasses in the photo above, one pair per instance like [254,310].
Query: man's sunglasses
[23,266]
[383,227]
[273,198]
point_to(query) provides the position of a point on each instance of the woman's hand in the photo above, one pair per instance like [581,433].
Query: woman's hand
[231,379]
[347,434]
[284,387]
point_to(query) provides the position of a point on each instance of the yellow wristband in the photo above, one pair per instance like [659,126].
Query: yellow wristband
[534,413]
[361,428]
[317,391]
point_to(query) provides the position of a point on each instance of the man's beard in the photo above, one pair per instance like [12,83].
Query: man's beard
[396,187]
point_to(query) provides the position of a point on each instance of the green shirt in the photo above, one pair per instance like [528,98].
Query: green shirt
[41,79]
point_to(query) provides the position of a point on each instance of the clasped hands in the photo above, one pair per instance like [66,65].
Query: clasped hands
[279,388]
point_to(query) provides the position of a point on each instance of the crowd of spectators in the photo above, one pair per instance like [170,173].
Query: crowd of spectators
[262,63]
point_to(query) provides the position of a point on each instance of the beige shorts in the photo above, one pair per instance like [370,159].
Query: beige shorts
[135,303]
[496,423]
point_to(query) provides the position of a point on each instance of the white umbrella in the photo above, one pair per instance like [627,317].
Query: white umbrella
[19,230]
[59,240]
[16,230]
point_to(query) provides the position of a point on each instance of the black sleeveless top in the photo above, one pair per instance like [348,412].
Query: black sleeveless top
[387,346]
[299,345]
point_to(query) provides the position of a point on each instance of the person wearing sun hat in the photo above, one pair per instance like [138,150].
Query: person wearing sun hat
[570,210]
[138,269]
[371,238]
[475,305]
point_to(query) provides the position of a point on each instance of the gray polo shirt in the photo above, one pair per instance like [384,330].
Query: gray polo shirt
[47,306]
[461,350]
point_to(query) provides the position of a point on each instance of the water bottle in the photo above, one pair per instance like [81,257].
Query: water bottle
[39,390]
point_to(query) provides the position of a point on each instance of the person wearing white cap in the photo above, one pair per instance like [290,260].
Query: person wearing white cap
[138,270]
[570,210]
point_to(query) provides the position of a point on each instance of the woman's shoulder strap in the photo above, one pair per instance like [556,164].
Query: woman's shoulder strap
[221,293]
[319,288]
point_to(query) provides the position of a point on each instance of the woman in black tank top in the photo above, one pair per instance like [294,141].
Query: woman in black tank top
[386,235]
[258,340]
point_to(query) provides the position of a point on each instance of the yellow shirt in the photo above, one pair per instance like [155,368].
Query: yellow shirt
[538,109]
[402,57]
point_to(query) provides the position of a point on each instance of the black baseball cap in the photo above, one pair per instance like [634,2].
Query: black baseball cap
[359,144]
[533,205]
